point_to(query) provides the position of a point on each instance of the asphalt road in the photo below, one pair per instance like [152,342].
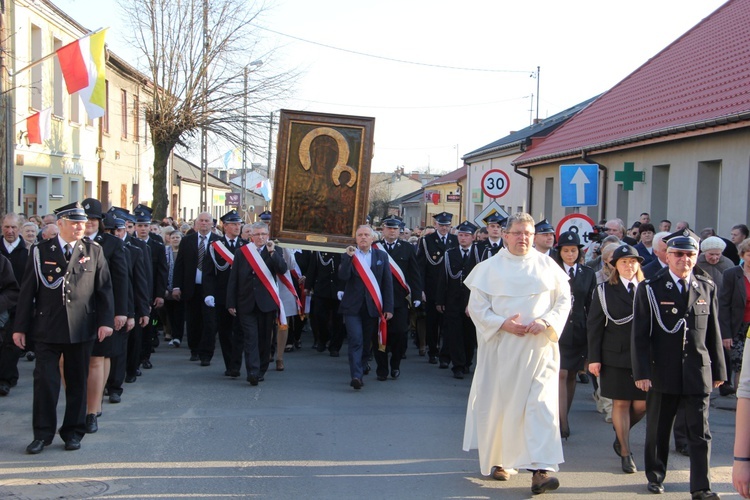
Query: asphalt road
[185,431]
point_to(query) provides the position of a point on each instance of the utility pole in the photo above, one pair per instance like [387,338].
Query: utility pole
[7,130]
[204,135]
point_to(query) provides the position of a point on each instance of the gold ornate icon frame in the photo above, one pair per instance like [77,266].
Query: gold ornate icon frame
[322,179]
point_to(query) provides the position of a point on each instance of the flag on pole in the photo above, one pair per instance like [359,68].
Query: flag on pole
[39,126]
[83,66]
[233,158]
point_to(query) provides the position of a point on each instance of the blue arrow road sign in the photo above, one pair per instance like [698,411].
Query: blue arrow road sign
[579,185]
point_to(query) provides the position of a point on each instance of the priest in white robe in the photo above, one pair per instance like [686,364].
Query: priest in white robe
[520,300]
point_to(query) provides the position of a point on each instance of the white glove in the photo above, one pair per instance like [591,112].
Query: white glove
[209,301]
[340,295]
[417,303]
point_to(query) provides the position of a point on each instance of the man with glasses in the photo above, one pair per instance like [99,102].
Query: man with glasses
[678,359]
[253,297]
[519,302]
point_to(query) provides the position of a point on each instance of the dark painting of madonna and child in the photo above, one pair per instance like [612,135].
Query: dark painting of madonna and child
[322,177]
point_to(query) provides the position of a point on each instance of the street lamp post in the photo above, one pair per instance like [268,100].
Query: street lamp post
[244,138]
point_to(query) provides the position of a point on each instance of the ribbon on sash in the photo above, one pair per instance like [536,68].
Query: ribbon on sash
[286,280]
[222,250]
[302,295]
[252,255]
[395,269]
[371,284]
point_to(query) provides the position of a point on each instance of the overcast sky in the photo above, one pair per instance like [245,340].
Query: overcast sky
[472,83]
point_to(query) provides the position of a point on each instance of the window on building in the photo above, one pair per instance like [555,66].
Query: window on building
[75,189]
[124,113]
[35,84]
[75,108]
[104,195]
[56,187]
[59,90]
[123,195]
[136,119]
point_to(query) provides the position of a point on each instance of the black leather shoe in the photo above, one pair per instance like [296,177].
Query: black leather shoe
[73,444]
[395,374]
[628,464]
[583,378]
[36,447]
[704,495]
[138,373]
[4,389]
[655,488]
[130,379]
[726,389]
[114,398]
[194,357]
[147,364]
[366,369]
[356,383]
[683,450]
[433,360]
[443,365]
[382,378]
[253,380]
[234,373]
[459,374]
[91,425]
[261,378]
[205,362]
[334,354]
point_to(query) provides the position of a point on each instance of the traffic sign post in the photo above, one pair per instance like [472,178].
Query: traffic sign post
[577,223]
[492,208]
[579,185]
[495,183]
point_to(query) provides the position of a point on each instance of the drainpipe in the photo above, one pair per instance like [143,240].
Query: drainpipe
[460,202]
[530,180]
[605,170]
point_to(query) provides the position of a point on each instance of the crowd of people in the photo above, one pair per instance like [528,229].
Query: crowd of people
[655,319]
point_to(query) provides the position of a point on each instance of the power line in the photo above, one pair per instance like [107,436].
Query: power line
[391,59]
[414,107]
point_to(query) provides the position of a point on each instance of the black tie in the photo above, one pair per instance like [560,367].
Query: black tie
[231,245]
[201,251]
[684,286]
[631,288]
[68,252]
[443,238]
[494,246]
[572,273]
[390,247]
[466,256]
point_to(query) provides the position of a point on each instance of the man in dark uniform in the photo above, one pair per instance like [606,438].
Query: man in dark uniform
[114,252]
[407,286]
[135,337]
[216,268]
[160,270]
[251,297]
[188,282]
[14,249]
[459,334]
[139,306]
[494,241]
[75,269]
[678,358]
[544,238]
[323,281]
[430,254]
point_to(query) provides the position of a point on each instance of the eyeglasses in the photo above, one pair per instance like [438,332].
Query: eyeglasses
[519,234]
[679,254]
[259,234]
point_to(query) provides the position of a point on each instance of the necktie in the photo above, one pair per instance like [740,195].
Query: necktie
[684,286]
[68,252]
[231,245]
[572,273]
[494,246]
[443,238]
[631,288]
[201,251]
[466,256]
[390,247]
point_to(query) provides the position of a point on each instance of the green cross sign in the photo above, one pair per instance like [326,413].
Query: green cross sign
[628,175]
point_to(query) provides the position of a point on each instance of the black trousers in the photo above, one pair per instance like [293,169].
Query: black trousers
[175,312]
[118,362]
[9,354]
[133,358]
[194,319]
[434,325]
[217,320]
[660,415]
[47,389]
[459,339]
[252,340]
[398,325]
[326,323]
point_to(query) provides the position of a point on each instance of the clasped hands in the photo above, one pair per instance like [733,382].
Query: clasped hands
[511,325]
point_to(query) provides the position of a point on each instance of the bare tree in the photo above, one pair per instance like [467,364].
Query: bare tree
[197,86]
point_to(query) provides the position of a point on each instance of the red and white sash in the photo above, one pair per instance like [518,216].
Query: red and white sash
[302,296]
[253,256]
[286,280]
[365,274]
[395,269]
[221,249]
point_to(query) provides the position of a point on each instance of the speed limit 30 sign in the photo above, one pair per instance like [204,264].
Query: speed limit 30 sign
[495,183]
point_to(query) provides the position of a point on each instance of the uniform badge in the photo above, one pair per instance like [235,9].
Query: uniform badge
[80,247]
[53,248]
[695,285]
[669,285]
[57,269]
[700,302]
[674,310]
[50,278]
